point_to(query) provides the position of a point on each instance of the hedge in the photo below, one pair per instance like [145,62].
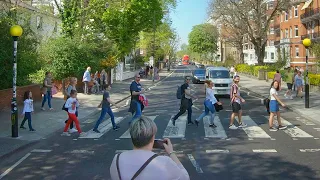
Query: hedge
[254,70]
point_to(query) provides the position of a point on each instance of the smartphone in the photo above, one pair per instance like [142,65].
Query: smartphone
[158,144]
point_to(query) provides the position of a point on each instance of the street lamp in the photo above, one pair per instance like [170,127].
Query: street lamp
[15,32]
[307,43]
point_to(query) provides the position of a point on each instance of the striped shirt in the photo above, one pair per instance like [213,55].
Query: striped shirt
[235,90]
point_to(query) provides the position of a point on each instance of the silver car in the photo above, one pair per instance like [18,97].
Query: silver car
[221,78]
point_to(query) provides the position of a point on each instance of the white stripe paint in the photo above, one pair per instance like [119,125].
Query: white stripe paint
[126,135]
[309,150]
[292,130]
[177,131]
[195,164]
[264,150]
[15,165]
[41,150]
[217,132]
[124,150]
[104,127]
[82,152]
[217,151]
[253,130]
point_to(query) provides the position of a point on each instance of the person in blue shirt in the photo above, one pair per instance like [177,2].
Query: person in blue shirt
[136,107]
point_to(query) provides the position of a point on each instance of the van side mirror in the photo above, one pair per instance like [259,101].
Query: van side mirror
[207,77]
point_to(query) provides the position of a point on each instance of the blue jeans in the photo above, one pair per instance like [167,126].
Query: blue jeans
[138,112]
[104,111]
[208,107]
[45,97]
[27,115]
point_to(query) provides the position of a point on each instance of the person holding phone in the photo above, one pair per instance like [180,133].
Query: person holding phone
[141,162]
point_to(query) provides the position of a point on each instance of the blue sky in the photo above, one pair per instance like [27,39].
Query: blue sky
[188,14]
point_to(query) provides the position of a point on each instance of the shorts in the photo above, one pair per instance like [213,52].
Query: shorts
[289,86]
[274,106]
[236,107]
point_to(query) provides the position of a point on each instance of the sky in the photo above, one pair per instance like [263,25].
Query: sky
[187,14]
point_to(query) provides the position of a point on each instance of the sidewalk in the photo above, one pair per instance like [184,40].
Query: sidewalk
[47,122]
[261,87]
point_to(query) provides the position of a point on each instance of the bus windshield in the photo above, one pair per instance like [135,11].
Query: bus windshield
[219,74]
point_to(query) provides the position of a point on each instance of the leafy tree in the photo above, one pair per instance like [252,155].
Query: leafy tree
[203,39]
[315,48]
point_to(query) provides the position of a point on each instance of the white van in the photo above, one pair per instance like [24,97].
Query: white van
[220,76]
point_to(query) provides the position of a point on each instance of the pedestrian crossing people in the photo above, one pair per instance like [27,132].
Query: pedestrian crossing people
[274,106]
[141,162]
[105,105]
[27,110]
[71,86]
[236,101]
[209,104]
[136,106]
[46,90]
[186,102]
[289,81]
[86,79]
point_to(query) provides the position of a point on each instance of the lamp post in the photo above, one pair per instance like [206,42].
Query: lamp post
[306,43]
[15,32]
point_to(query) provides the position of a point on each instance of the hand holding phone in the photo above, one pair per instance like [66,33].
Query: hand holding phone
[158,144]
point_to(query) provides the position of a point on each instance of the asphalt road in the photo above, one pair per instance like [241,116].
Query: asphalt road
[250,153]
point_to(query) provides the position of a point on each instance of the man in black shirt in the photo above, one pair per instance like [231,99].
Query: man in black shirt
[136,106]
[186,102]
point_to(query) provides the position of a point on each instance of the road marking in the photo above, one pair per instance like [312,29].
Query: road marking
[217,132]
[292,130]
[253,130]
[309,150]
[177,131]
[264,150]
[217,151]
[104,127]
[41,150]
[126,135]
[195,164]
[15,165]
[82,152]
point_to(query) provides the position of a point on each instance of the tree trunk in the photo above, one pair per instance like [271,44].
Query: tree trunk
[260,53]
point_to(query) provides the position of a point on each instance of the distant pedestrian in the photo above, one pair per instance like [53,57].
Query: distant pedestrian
[277,77]
[232,71]
[298,79]
[105,105]
[236,101]
[186,102]
[72,104]
[295,72]
[46,90]
[209,104]
[27,110]
[71,86]
[289,81]
[274,106]
[86,79]
[103,78]
[136,106]
[151,71]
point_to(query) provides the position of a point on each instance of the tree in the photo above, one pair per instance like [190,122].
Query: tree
[315,48]
[250,18]
[203,39]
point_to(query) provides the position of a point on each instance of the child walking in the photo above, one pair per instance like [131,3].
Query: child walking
[72,104]
[27,110]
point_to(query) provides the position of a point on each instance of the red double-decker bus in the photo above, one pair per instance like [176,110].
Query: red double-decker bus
[185,60]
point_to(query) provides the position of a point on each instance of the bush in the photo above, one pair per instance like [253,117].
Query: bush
[257,68]
[314,79]
[245,68]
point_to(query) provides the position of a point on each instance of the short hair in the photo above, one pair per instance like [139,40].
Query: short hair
[142,131]
[47,73]
[278,71]
[73,92]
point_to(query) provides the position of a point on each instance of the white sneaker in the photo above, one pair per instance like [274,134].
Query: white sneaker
[233,127]
[82,134]
[65,134]
[73,130]
[242,125]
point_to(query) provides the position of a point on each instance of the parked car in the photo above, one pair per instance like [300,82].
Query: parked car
[199,76]
[200,66]
[220,76]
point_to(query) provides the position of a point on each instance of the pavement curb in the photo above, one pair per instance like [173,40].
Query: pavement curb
[21,148]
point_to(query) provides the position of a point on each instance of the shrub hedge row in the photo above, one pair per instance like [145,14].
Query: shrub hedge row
[254,70]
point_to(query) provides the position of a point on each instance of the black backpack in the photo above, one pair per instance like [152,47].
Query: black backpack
[179,93]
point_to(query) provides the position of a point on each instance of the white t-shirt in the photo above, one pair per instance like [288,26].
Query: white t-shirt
[160,168]
[273,91]
[210,95]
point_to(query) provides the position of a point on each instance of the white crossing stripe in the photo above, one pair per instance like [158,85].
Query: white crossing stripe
[14,165]
[309,150]
[264,150]
[41,150]
[292,130]
[253,130]
[81,152]
[104,127]
[126,135]
[177,131]
[217,151]
[195,164]
[217,132]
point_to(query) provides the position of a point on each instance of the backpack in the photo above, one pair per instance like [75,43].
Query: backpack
[179,93]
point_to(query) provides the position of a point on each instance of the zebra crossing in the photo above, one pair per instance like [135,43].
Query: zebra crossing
[252,131]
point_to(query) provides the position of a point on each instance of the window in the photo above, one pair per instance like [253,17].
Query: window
[272,55]
[287,34]
[272,30]
[297,51]
[270,5]
[295,11]
[286,16]
[271,43]
[290,34]
[251,56]
[219,74]
[39,22]
[265,55]
[296,31]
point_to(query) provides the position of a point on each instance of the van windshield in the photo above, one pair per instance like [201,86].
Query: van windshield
[219,74]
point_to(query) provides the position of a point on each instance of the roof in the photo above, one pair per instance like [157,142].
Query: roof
[217,68]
